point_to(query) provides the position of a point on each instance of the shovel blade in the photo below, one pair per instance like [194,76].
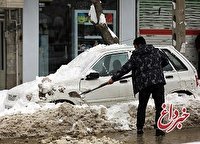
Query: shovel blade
[74,94]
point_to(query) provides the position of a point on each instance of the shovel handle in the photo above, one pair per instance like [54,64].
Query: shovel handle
[90,90]
[128,76]
[102,85]
[106,83]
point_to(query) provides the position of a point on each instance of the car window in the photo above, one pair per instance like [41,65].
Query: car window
[175,61]
[109,64]
[168,67]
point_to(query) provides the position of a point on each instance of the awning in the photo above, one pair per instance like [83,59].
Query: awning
[11,3]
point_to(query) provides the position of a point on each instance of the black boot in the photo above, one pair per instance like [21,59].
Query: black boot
[159,132]
[140,131]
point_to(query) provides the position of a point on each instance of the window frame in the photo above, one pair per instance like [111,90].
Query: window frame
[109,57]
[173,63]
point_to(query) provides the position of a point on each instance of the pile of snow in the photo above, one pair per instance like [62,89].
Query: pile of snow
[80,123]
[3,96]
[65,119]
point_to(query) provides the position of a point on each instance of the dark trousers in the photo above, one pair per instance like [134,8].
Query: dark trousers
[157,92]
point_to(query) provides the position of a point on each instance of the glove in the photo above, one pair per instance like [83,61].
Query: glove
[110,81]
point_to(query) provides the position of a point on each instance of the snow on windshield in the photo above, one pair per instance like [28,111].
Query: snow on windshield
[76,66]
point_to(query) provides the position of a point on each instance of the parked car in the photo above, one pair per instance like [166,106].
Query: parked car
[96,65]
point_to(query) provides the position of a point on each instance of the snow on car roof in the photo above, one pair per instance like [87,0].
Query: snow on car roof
[82,60]
[164,46]
[103,48]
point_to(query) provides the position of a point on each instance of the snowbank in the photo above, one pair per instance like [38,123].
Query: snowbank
[80,123]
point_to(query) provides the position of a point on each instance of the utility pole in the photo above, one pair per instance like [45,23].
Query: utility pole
[178,25]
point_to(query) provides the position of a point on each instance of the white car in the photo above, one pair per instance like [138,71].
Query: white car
[96,65]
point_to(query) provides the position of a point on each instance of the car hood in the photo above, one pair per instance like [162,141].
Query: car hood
[65,77]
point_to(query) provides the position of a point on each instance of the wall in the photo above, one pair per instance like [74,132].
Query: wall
[30,40]
[155,24]
[10,45]
[155,19]
[127,22]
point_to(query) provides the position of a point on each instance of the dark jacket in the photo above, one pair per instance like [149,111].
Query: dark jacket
[147,64]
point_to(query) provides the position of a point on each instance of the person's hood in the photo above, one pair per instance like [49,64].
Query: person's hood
[143,49]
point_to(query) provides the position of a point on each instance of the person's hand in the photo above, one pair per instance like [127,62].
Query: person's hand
[110,81]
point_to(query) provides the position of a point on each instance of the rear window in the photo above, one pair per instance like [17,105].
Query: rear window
[175,61]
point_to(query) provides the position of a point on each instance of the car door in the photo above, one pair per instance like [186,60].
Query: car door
[172,79]
[106,66]
[184,71]
[174,73]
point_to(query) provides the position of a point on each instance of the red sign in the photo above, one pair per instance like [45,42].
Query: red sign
[173,117]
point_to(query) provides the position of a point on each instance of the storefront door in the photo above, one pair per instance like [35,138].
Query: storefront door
[54,19]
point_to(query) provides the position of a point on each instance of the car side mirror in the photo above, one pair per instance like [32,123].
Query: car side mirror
[92,76]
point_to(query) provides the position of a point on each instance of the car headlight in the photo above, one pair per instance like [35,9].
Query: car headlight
[8,107]
[12,97]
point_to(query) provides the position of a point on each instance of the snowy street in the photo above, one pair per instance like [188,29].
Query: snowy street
[49,122]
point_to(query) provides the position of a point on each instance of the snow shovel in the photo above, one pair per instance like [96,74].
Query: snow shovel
[75,94]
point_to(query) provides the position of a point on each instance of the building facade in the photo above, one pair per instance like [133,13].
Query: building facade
[56,31]
[10,43]
[49,33]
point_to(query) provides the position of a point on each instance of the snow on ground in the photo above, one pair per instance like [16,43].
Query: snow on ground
[64,119]
[3,96]
[77,122]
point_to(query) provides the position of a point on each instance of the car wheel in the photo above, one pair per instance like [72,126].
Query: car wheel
[183,93]
[62,101]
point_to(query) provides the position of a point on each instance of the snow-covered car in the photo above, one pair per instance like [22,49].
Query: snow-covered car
[94,67]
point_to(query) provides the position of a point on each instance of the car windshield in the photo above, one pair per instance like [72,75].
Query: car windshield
[75,67]
[83,59]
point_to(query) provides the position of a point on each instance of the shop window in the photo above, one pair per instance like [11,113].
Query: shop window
[57,31]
